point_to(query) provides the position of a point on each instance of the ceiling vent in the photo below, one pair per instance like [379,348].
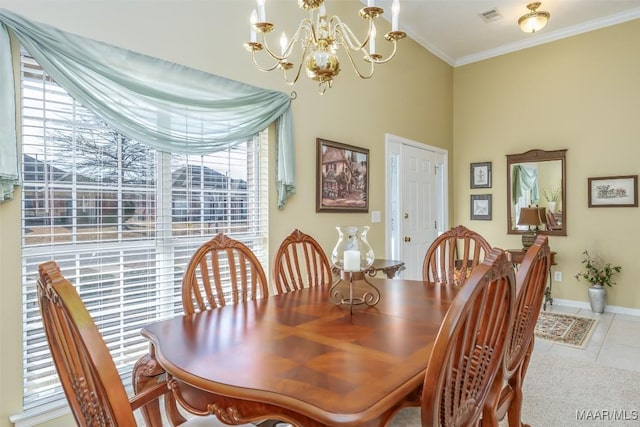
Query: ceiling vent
[491,15]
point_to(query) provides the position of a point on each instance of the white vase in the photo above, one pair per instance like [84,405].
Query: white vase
[597,298]
[552,206]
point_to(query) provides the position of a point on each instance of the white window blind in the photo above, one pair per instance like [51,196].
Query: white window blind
[121,220]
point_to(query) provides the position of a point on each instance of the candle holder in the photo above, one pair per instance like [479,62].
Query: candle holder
[352,257]
[358,291]
[352,252]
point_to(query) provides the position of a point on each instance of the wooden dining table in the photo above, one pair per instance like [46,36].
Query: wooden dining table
[300,358]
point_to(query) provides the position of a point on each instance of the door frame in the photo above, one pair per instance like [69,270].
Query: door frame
[393,191]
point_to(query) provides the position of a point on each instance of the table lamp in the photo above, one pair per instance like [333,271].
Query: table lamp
[531,218]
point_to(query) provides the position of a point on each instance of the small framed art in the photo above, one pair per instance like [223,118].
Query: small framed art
[613,191]
[481,175]
[481,207]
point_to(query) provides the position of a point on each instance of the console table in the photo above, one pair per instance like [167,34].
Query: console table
[388,266]
[517,255]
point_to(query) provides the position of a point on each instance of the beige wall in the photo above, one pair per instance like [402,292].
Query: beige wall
[582,94]
[411,96]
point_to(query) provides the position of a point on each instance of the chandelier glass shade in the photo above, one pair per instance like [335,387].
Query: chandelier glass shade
[535,20]
[317,41]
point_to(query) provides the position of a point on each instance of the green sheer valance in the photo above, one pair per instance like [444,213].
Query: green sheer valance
[525,179]
[9,171]
[171,107]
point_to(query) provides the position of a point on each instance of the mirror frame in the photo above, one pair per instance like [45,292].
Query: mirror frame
[532,156]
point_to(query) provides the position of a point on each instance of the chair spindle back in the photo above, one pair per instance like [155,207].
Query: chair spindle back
[222,271]
[300,263]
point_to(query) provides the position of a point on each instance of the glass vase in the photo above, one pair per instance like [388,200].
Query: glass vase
[352,252]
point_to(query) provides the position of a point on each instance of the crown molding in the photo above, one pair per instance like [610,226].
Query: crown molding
[539,39]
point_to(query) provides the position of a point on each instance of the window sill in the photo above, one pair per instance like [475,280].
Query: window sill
[41,414]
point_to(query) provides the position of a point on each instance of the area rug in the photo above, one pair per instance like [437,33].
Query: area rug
[564,329]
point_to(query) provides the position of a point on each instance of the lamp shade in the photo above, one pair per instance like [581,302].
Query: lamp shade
[533,21]
[530,216]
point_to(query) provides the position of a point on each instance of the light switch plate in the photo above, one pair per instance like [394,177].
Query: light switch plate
[375,216]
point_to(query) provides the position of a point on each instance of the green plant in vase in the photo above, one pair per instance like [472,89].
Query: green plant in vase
[598,274]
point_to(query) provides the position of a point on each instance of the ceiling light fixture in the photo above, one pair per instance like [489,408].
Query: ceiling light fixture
[320,38]
[533,21]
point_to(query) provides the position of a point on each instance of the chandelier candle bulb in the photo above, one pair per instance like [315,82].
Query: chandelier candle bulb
[252,20]
[372,40]
[262,16]
[351,261]
[371,3]
[395,12]
[283,44]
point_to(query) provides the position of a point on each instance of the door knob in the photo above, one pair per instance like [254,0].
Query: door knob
[407,238]
[406,215]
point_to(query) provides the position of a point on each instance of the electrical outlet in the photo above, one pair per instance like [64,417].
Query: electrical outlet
[557,276]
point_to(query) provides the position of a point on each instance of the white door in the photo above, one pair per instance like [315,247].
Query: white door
[416,201]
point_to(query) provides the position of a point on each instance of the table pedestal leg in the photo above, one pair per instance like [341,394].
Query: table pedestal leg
[148,372]
[356,293]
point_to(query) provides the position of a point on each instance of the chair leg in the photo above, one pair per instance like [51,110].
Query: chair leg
[514,415]
[515,409]
[146,373]
[492,402]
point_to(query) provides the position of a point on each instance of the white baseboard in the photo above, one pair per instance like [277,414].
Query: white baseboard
[608,308]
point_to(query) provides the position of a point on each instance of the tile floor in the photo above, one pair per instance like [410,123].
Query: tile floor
[615,342]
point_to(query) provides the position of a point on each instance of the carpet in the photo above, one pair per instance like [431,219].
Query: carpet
[566,392]
[565,329]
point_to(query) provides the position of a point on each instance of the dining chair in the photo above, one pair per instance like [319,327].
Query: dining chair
[300,263]
[469,349]
[552,223]
[452,256]
[506,394]
[88,374]
[222,271]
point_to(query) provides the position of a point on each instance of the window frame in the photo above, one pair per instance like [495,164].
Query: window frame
[164,245]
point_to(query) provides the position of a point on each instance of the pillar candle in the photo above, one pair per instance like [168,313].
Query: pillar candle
[351,261]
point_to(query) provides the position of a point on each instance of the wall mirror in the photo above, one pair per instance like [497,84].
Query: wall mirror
[537,179]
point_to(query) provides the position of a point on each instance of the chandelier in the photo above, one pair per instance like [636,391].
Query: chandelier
[319,38]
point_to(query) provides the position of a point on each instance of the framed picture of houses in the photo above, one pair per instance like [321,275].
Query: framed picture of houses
[342,177]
